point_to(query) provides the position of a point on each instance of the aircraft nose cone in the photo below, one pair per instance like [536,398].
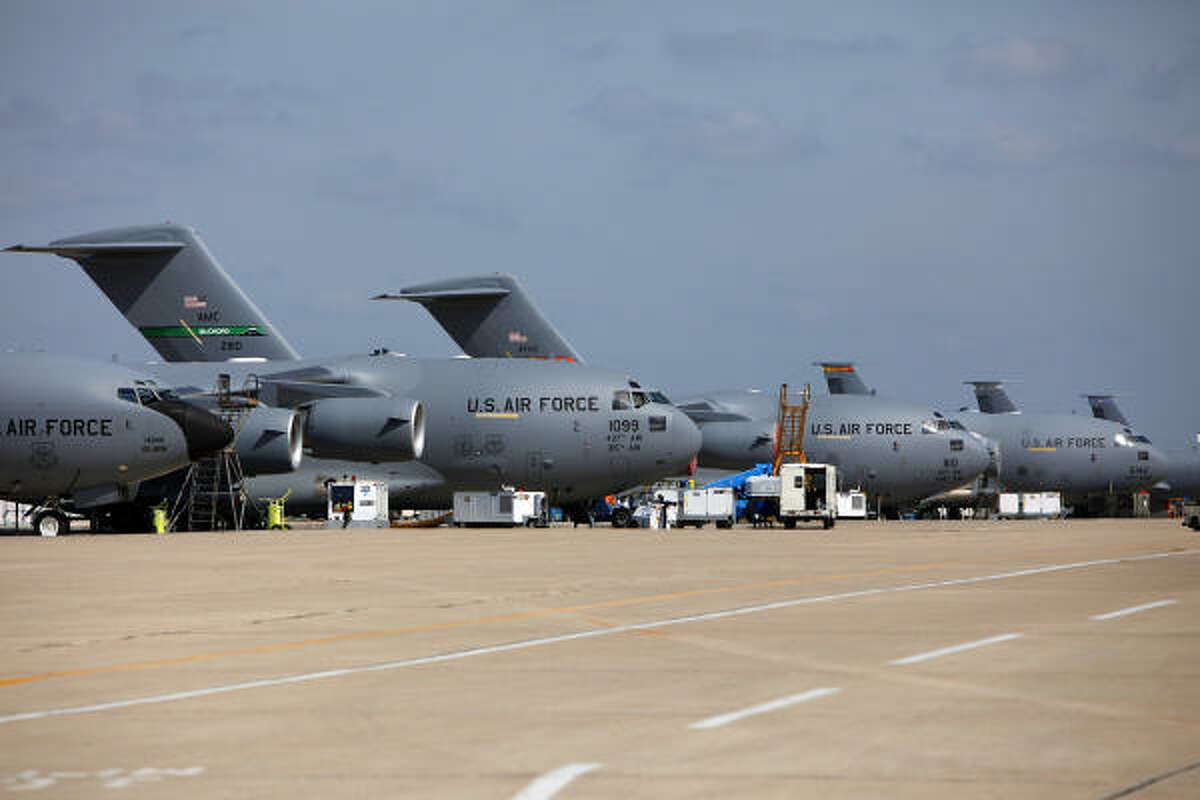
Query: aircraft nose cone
[205,433]
[979,456]
[686,441]
[1159,465]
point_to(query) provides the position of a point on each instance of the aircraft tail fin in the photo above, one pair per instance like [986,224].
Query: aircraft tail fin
[992,398]
[166,283]
[489,316]
[841,378]
[1104,406]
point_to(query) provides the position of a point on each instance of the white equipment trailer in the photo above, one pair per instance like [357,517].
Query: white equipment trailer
[808,493]
[504,508]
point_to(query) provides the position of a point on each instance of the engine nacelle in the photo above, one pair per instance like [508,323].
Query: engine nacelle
[271,441]
[366,428]
[736,445]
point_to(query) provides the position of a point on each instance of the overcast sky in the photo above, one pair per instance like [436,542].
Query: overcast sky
[707,195]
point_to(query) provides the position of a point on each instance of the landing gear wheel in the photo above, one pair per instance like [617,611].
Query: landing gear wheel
[790,524]
[51,523]
[827,523]
[621,517]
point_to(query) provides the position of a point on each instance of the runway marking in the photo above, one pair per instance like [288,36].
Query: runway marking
[958,648]
[444,626]
[32,780]
[1133,610]
[762,708]
[552,782]
[1151,781]
[580,635]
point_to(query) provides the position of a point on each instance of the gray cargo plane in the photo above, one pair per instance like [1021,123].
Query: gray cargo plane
[894,451]
[1068,453]
[1182,478]
[577,432]
[78,434]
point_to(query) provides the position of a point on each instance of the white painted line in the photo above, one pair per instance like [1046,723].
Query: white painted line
[569,637]
[958,648]
[1133,610]
[552,782]
[774,705]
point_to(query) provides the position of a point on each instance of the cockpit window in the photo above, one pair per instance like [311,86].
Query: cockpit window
[659,397]
[934,426]
[621,401]
[956,425]
[127,394]
[639,399]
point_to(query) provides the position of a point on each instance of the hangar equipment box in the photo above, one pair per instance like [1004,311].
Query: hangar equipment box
[504,508]
[357,504]
[700,506]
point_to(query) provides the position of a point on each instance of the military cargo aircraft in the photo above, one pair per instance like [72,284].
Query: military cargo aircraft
[576,432]
[1067,453]
[77,434]
[893,451]
[1182,477]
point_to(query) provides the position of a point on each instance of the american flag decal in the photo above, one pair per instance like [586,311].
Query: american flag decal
[194,301]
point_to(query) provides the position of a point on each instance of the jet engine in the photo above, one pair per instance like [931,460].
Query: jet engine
[366,428]
[736,445]
[271,441]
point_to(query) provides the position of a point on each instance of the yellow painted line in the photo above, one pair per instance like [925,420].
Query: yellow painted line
[444,626]
[495,415]
[833,436]
[1042,449]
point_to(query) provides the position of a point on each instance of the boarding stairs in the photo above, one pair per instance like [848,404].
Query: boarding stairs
[789,428]
[213,495]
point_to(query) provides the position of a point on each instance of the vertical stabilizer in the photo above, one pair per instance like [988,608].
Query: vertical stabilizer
[165,282]
[489,316]
[841,378]
[1104,406]
[992,398]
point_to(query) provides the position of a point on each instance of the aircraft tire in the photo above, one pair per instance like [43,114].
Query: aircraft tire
[51,522]
[790,524]
[724,524]
[828,523]
[621,517]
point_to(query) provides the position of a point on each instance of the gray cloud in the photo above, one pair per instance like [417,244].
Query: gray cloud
[1021,62]
[1172,79]
[669,128]
[982,152]
[757,46]
[381,182]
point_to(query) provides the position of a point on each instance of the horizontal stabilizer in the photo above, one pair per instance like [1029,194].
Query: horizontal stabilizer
[86,249]
[445,294]
[489,316]
[1104,406]
[992,398]
[164,281]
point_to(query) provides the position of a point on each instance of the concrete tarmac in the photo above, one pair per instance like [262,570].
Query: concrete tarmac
[914,659]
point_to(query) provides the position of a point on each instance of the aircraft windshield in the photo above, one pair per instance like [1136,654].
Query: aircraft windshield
[639,399]
[621,401]
[659,397]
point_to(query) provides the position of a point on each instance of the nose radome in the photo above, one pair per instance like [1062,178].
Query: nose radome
[205,433]
[979,455]
[685,438]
